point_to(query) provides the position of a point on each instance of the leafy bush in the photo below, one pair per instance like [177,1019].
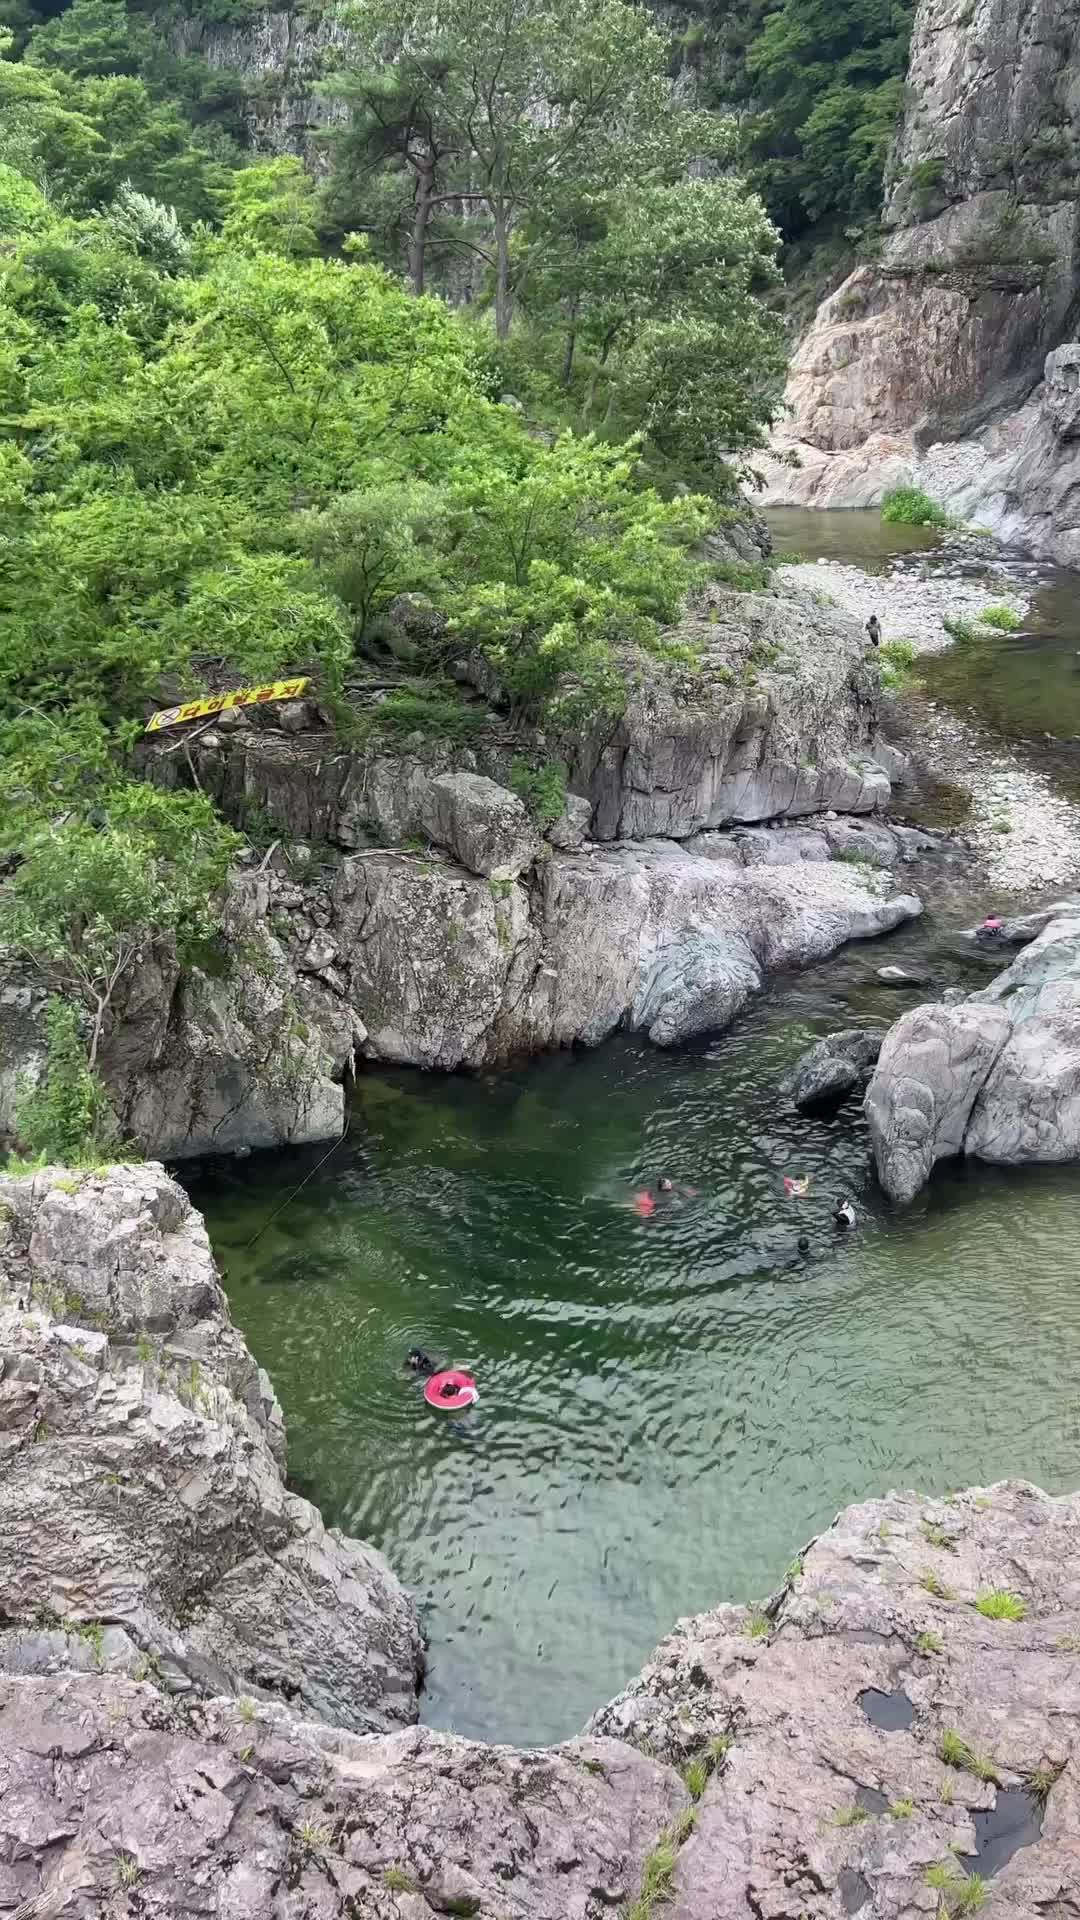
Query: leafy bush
[1003,618]
[65,1119]
[962,631]
[910,507]
[543,789]
[896,658]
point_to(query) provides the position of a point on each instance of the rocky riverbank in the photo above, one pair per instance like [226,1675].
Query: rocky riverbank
[199,1685]
[911,605]
[1024,832]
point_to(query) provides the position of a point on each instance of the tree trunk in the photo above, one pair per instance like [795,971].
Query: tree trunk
[571,343]
[504,302]
[425,182]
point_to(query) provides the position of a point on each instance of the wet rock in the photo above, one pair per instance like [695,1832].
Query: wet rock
[142,1482]
[892,976]
[672,945]
[931,1068]
[829,1071]
[485,826]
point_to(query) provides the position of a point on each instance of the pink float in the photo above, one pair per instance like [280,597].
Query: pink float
[451,1390]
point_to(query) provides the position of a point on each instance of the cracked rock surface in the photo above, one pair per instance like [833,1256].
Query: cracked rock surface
[833,1708]
[141,1471]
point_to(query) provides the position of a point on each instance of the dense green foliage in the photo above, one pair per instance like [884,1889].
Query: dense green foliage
[820,83]
[64,1120]
[227,445]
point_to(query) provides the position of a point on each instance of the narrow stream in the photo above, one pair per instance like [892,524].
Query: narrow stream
[669,1406]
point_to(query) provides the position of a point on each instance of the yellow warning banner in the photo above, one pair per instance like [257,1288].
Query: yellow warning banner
[222,702]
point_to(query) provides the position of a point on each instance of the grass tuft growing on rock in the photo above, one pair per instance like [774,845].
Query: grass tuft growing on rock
[954,1750]
[127,1870]
[696,1775]
[850,1816]
[757,1625]
[928,1642]
[997,1603]
[896,660]
[961,1893]
[936,1536]
[1042,1779]
[657,1876]
[901,1809]
[312,1837]
[934,1584]
[911,507]
[396,1880]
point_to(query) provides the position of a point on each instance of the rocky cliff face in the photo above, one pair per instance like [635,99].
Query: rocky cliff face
[186,1725]
[146,1522]
[281,56]
[993,1074]
[931,365]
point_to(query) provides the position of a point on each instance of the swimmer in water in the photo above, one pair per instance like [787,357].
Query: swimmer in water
[843,1215]
[418,1361]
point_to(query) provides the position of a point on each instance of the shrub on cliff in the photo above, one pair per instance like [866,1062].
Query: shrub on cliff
[64,1118]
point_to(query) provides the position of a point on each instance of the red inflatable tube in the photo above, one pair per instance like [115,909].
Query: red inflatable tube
[451,1390]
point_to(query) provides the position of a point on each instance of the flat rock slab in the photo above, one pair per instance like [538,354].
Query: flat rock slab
[814,1809]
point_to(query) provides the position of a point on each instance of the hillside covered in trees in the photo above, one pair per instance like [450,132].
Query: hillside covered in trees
[229,435]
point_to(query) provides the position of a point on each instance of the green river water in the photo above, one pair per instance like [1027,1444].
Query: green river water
[669,1406]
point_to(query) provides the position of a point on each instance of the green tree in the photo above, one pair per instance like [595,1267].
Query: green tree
[371,546]
[824,81]
[524,92]
[88,902]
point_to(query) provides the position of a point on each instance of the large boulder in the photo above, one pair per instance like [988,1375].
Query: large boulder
[996,1075]
[824,1076]
[931,1068]
[484,826]
[142,1484]
[241,1051]
[775,720]
[673,944]
[436,958]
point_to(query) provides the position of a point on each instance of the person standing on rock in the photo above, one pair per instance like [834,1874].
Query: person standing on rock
[873,628]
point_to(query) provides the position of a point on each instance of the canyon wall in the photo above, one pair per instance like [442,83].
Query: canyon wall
[948,362]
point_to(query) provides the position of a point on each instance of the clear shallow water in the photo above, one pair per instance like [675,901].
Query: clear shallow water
[669,1407]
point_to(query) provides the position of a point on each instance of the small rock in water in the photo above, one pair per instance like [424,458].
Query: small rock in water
[900,977]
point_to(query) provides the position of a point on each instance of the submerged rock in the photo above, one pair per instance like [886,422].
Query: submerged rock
[994,1075]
